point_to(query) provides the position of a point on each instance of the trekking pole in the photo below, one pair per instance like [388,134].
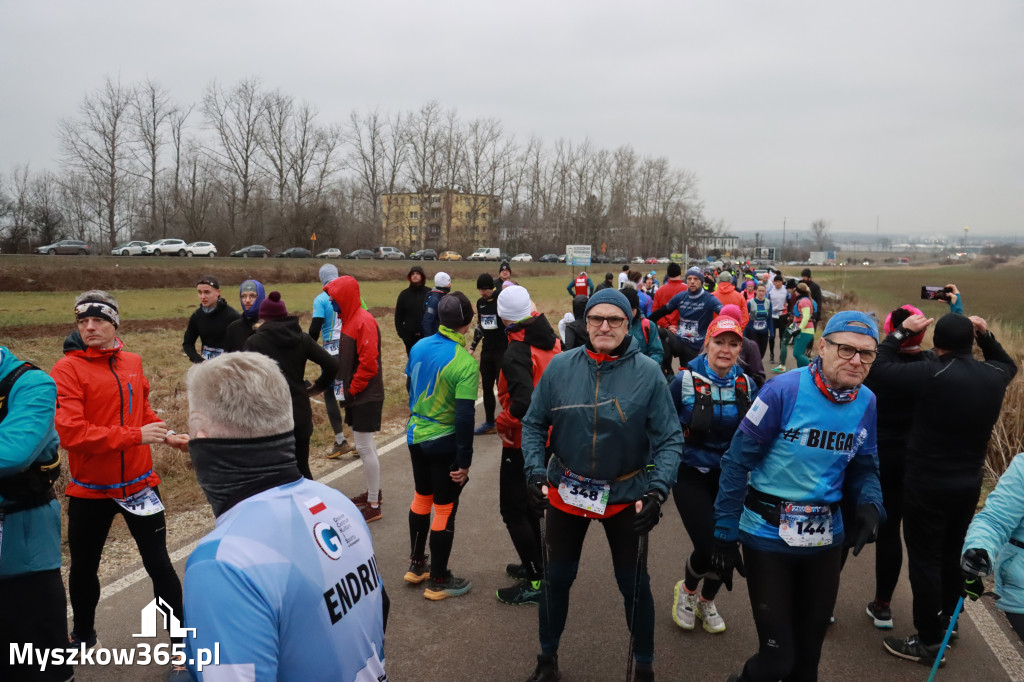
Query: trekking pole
[641,567]
[945,640]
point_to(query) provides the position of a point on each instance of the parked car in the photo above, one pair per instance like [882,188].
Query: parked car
[522,258]
[329,253]
[365,254]
[637,259]
[549,258]
[599,258]
[65,247]
[450,255]
[485,253]
[388,253]
[651,261]
[201,249]
[165,247]
[662,261]
[128,249]
[503,257]
[619,259]
[424,254]
[295,252]
[251,251]
[561,259]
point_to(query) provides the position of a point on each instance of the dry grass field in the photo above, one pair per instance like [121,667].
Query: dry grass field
[156,298]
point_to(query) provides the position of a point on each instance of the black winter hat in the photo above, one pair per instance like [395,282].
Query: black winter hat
[954,333]
[632,296]
[485,281]
[455,310]
[674,270]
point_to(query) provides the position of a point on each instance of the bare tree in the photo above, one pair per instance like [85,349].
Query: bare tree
[98,146]
[235,116]
[426,169]
[46,217]
[18,208]
[820,229]
[153,112]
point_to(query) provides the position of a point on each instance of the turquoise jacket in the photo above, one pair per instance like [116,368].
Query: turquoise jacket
[31,538]
[993,527]
[608,420]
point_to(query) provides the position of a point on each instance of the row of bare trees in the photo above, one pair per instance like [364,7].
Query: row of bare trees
[248,165]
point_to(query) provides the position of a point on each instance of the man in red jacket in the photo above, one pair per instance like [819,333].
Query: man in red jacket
[106,424]
[362,378]
[531,345]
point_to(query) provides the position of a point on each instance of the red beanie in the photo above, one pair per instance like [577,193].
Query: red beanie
[273,307]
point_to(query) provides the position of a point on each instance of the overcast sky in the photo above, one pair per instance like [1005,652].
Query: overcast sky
[912,112]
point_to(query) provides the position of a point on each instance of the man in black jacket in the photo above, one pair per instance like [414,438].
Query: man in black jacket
[805,277]
[209,323]
[491,331]
[957,400]
[576,331]
[409,308]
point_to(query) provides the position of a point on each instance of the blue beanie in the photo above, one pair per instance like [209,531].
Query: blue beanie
[613,297]
[695,271]
[852,321]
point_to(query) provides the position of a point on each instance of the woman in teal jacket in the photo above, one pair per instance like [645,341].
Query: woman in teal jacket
[997,533]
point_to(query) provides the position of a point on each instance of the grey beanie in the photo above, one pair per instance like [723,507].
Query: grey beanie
[328,272]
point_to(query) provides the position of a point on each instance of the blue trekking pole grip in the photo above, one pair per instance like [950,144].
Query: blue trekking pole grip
[945,640]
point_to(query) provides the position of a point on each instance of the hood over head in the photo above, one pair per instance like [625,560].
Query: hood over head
[328,271]
[344,291]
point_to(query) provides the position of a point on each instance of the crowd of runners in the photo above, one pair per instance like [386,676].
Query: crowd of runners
[644,389]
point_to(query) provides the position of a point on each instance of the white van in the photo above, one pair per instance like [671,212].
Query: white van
[388,253]
[485,253]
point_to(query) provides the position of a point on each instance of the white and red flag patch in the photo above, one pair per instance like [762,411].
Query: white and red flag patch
[315,505]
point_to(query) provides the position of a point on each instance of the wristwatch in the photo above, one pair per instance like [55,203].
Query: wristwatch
[900,333]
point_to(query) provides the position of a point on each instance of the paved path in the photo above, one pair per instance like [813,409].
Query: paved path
[477,638]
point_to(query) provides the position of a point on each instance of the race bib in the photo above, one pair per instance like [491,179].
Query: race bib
[760,325]
[584,493]
[339,390]
[687,329]
[805,525]
[332,347]
[143,503]
[209,353]
[489,321]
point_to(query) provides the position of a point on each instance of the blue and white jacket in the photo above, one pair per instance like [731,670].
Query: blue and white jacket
[993,527]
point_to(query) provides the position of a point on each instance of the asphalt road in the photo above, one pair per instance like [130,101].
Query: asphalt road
[477,638]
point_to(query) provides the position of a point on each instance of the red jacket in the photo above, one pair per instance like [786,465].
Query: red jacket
[530,348]
[102,405]
[359,348]
[663,295]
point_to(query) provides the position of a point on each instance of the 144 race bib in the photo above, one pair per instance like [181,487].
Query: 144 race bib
[805,525]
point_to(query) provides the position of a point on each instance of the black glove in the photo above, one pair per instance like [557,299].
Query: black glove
[650,512]
[866,523]
[973,588]
[536,498]
[975,563]
[725,556]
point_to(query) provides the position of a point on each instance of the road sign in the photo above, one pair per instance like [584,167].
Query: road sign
[578,255]
[313,238]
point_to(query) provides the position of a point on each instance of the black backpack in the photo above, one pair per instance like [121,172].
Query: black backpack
[32,487]
[704,407]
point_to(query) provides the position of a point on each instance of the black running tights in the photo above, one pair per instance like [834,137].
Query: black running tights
[694,494]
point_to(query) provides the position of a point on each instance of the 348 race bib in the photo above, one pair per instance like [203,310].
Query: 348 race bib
[584,493]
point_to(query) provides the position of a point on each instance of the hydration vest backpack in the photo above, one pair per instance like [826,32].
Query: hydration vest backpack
[32,487]
[696,432]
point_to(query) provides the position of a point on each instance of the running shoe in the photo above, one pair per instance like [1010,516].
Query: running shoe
[372,513]
[546,670]
[448,586]
[643,672]
[778,368]
[955,635]
[361,500]
[771,358]
[912,649]
[516,572]
[708,612]
[339,449]
[90,641]
[684,604]
[419,570]
[881,613]
[484,429]
[526,592]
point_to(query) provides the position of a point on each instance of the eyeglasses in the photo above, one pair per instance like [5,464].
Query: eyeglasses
[847,352]
[614,322]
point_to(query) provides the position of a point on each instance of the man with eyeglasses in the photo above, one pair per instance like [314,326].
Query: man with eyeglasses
[616,444]
[807,439]
[957,400]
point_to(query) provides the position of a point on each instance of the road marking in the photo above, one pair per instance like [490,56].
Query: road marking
[177,555]
[1005,652]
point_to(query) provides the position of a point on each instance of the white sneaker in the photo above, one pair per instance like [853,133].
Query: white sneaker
[683,605]
[707,612]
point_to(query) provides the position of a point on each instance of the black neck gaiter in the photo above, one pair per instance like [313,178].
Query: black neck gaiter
[230,470]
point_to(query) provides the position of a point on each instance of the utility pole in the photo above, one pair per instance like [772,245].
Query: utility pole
[782,256]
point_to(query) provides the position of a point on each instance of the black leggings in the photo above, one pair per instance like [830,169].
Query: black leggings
[674,347]
[88,526]
[694,494]
[33,610]
[565,534]
[303,432]
[762,341]
[1017,621]
[792,596]
[889,546]
[431,474]
[490,365]
[523,527]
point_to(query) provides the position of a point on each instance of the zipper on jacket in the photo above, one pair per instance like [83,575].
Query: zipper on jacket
[129,397]
[593,444]
[120,407]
